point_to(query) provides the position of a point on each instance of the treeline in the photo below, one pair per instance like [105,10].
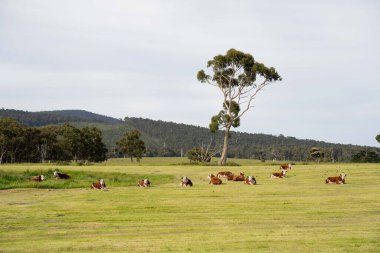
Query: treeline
[172,139]
[19,143]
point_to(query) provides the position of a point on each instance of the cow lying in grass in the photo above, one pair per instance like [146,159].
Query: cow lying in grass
[143,183]
[185,181]
[239,177]
[224,174]
[278,175]
[214,180]
[37,178]
[60,175]
[98,185]
[337,180]
[250,180]
[286,166]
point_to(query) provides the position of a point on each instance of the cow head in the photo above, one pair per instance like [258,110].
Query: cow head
[42,177]
[343,176]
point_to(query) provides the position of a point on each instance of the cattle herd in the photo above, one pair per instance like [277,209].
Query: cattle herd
[215,180]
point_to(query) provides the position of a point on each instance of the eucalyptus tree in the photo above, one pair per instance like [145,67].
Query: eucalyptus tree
[239,78]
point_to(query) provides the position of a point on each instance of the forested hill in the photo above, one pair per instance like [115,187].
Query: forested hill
[55,117]
[173,139]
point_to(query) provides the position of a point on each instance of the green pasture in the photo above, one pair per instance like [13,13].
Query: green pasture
[297,214]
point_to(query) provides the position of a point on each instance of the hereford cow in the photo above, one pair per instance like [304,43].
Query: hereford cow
[37,178]
[143,183]
[239,177]
[224,174]
[286,166]
[214,180]
[59,175]
[279,174]
[337,180]
[250,180]
[98,185]
[185,181]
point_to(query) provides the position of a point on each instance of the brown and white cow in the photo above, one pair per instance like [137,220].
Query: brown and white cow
[98,185]
[60,175]
[214,180]
[37,178]
[337,180]
[144,183]
[250,180]
[286,166]
[278,174]
[185,181]
[224,174]
[239,177]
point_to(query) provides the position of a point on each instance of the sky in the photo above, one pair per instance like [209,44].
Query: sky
[140,59]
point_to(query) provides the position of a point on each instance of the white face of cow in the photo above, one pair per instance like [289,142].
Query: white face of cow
[290,166]
[145,181]
[42,178]
[249,178]
[343,175]
[101,182]
[55,173]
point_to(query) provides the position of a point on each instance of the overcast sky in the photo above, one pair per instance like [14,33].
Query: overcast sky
[140,59]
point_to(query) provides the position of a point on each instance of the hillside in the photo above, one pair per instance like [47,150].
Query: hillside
[174,139]
[55,117]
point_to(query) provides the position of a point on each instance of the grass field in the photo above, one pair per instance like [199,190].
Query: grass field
[296,214]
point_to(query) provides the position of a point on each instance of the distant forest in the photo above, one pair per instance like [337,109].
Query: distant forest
[173,139]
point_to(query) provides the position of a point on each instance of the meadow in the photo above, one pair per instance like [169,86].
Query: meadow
[299,213]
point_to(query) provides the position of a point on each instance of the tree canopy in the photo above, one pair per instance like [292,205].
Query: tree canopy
[131,145]
[240,78]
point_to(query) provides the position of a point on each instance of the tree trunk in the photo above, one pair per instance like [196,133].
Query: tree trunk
[223,157]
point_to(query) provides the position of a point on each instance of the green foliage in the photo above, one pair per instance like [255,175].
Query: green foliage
[55,143]
[240,78]
[378,138]
[316,153]
[365,156]
[131,145]
[172,139]
[198,154]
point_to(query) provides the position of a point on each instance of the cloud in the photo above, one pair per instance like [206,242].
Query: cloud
[140,58]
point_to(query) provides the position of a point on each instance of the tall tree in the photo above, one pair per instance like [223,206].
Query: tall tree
[240,78]
[317,154]
[131,145]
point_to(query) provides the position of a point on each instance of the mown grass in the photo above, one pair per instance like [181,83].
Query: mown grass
[297,214]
